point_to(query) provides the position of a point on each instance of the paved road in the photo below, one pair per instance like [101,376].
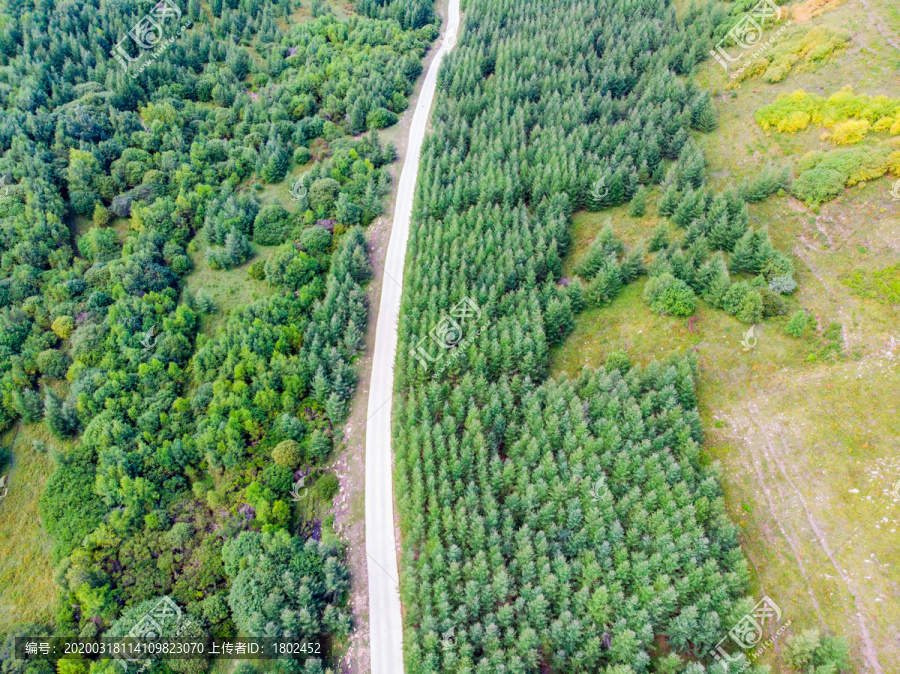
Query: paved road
[385,619]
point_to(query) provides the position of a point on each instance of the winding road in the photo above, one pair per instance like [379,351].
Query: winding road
[385,616]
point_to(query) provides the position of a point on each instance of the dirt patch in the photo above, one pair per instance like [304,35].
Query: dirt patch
[813,8]
[876,21]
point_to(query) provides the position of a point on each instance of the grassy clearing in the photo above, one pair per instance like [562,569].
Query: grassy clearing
[27,591]
[228,288]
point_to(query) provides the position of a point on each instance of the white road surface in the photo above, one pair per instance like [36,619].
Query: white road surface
[385,618]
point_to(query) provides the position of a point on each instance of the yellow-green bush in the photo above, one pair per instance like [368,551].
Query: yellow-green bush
[852,116]
[800,45]
[789,113]
[850,131]
[794,122]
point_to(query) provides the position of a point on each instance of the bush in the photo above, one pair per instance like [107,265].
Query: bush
[773,304]
[797,325]
[743,302]
[778,264]
[818,185]
[272,226]
[618,360]
[53,363]
[179,535]
[302,156]
[380,118]
[101,215]
[290,267]
[288,453]
[87,342]
[783,285]
[668,295]
[849,131]
[63,326]
[315,240]
[323,194]
[810,653]
[751,308]
[327,486]
[257,270]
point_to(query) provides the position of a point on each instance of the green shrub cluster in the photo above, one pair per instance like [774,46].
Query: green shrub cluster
[823,175]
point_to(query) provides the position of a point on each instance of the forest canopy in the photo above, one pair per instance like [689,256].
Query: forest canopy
[124,174]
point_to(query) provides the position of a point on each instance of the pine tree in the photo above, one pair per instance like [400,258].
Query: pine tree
[576,296]
[796,326]
[689,208]
[204,303]
[277,162]
[62,421]
[605,245]
[744,256]
[639,203]
[346,211]
[644,174]
[705,119]
[668,202]
[27,403]
[659,239]
[607,284]
[633,264]
[238,248]
[353,338]
[558,320]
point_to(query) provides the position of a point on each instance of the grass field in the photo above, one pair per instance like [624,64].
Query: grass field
[228,288]
[27,591]
[805,430]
